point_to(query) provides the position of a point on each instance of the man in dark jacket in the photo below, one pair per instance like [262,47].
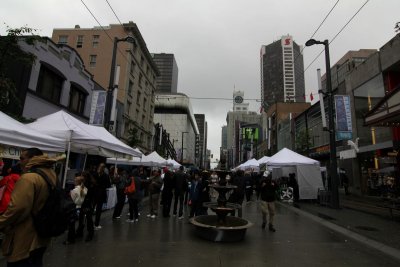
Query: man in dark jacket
[180,188]
[268,193]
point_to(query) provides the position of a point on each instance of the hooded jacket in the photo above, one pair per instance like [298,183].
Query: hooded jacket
[28,197]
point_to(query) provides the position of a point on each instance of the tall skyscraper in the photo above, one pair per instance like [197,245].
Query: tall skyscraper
[167,82]
[282,72]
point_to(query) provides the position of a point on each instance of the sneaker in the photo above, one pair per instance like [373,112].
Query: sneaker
[149,215]
[174,214]
[263,225]
[130,221]
[116,218]
[66,242]
[88,238]
[153,216]
[97,227]
[136,220]
[180,217]
[271,228]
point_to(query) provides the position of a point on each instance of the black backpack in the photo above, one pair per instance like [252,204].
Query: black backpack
[57,212]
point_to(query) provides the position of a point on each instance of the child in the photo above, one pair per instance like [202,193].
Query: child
[78,195]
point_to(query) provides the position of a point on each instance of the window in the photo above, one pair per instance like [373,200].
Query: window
[63,39]
[138,98]
[144,103]
[130,88]
[79,41]
[128,107]
[141,61]
[95,40]
[77,99]
[133,65]
[92,61]
[140,80]
[49,85]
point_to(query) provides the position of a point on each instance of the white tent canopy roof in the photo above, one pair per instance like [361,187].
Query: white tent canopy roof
[263,160]
[173,163]
[250,164]
[153,159]
[84,138]
[14,133]
[287,157]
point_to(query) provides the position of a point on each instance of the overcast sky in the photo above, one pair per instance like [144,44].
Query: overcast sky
[217,42]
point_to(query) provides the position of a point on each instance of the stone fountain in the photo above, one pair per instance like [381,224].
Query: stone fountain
[221,227]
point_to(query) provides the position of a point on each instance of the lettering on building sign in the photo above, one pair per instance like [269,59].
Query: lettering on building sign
[9,152]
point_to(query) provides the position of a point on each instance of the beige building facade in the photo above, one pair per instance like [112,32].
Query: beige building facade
[137,79]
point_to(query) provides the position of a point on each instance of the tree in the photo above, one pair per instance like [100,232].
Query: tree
[397,27]
[133,140]
[303,141]
[10,52]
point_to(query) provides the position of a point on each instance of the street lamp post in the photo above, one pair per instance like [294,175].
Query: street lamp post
[332,132]
[182,147]
[111,87]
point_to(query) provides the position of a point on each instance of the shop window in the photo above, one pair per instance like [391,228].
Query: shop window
[49,85]
[77,99]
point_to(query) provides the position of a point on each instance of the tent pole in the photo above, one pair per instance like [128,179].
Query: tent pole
[84,162]
[66,164]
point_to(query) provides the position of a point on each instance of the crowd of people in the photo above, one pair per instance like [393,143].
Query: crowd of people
[169,192]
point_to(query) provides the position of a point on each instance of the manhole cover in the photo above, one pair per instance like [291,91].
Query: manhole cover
[366,228]
[326,217]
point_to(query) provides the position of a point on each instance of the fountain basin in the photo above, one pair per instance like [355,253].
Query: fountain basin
[207,227]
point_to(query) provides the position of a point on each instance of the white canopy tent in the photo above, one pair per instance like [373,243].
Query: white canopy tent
[248,165]
[151,160]
[81,137]
[263,160]
[308,174]
[175,165]
[14,133]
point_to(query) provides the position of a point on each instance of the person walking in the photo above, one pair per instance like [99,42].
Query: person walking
[195,194]
[167,192]
[87,208]
[78,195]
[102,183]
[135,198]
[268,194]
[22,245]
[119,179]
[180,188]
[155,184]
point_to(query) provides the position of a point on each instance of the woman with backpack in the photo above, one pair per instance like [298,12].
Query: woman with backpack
[135,197]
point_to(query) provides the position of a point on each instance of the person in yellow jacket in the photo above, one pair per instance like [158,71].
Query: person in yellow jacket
[22,246]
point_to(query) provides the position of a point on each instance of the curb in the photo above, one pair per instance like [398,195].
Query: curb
[395,253]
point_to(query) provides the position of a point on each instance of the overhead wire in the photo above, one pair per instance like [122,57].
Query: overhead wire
[112,40]
[347,23]
[320,25]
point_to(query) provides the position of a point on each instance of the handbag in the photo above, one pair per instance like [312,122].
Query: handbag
[131,188]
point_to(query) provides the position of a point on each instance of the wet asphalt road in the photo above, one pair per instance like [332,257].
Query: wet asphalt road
[164,242]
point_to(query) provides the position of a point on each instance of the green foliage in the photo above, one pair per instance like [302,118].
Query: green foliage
[397,27]
[133,140]
[303,141]
[11,52]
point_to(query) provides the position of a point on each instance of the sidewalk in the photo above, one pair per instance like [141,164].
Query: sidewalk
[360,219]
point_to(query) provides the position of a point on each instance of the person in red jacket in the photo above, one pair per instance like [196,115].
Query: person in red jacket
[10,177]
